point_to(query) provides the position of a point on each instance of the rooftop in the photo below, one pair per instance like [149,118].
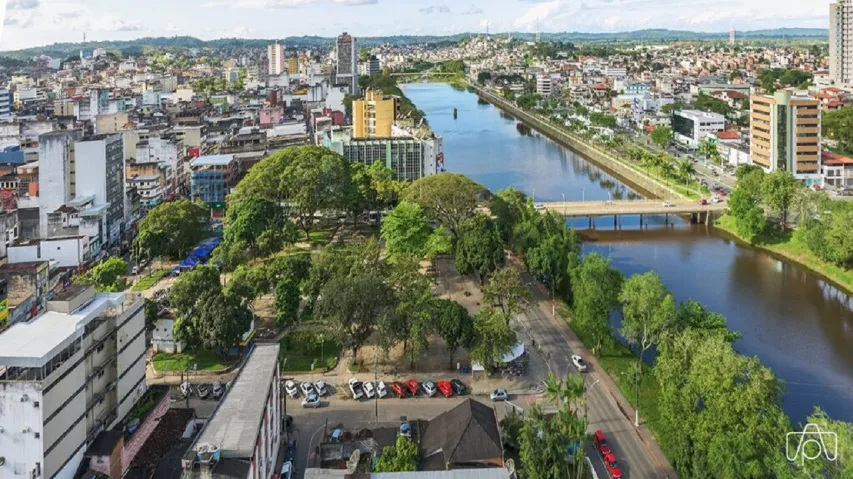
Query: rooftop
[212,160]
[701,115]
[834,159]
[33,343]
[25,266]
[234,426]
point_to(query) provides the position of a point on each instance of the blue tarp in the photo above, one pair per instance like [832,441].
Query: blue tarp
[188,263]
[211,243]
[202,252]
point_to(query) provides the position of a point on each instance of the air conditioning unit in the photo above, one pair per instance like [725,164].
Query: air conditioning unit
[26,429]
[25,398]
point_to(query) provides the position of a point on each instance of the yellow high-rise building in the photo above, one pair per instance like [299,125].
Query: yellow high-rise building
[293,65]
[374,116]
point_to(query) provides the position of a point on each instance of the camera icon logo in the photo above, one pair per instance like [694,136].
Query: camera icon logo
[811,444]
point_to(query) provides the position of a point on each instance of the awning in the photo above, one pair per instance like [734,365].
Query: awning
[516,352]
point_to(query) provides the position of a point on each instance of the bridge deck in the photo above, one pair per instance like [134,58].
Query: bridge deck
[642,207]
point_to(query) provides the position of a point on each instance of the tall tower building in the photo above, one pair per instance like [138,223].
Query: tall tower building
[346,60]
[785,134]
[732,36]
[275,58]
[374,116]
[841,41]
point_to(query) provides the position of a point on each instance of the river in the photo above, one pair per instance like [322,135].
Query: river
[797,324]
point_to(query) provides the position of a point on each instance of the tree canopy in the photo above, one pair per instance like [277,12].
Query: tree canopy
[449,199]
[107,276]
[171,230]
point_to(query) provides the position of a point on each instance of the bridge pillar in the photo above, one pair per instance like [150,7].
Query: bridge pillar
[641,221]
[615,222]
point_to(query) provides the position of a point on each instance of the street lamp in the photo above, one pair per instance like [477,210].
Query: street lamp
[564,202]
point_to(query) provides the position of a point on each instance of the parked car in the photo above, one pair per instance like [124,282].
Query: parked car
[381,390]
[134,270]
[312,400]
[579,363]
[612,466]
[320,388]
[399,390]
[186,389]
[539,207]
[203,391]
[286,470]
[290,389]
[445,388]
[499,394]
[601,443]
[703,202]
[369,390]
[412,386]
[355,388]
[429,388]
[668,204]
[307,388]
[458,387]
[218,389]
[716,200]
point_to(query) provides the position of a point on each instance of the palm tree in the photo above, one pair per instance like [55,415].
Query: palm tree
[686,171]
[668,169]
[635,154]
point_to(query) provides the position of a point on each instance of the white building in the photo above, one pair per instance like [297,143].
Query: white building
[57,167]
[690,126]
[100,162]
[65,376]
[244,433]
[275,59]
[543,85]
[841,41]
[162,338]
[61,252]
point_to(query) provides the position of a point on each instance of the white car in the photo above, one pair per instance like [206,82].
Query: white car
[369,390]
[381,390]
[355,388]
[429,388]
[499,394]
[538,207]
[320,387]
[186,389]
[311,401]
[203,391]
[579,363]
[668,204]
[290,389]
[218,389]
[307,388]
[286,470]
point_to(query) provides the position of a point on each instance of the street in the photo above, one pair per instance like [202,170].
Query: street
[638,455]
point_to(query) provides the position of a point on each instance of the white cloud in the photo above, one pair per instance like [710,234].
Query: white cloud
[22,4]
[273,4]
[435,9]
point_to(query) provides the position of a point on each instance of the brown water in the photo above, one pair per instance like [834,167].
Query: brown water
[797,324]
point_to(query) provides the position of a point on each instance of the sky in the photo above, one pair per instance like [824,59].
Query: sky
[30,23]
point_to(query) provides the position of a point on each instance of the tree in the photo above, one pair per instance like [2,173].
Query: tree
[838,125]
[352,307]
[479,249]
[839,240]
[505,291]
[171,230]
[152,314]
[596,286]
[555,252]
[494,338]
[287,300]
[454,325]
[778,190]
[107,276]
[527,101]
[447,198]
[648,308]
[403,456]
[412,321]
[746,210]
[662,136]
[709,150]
[842,465]
[406,230]
[509,207]
[315,179]
[222,321]
[248,283]
[259,224]
[483,77]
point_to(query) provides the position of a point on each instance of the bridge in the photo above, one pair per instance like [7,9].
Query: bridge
[426,73]
[617,209]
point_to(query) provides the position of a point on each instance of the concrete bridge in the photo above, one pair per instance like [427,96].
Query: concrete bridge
[594,209]
[426,73]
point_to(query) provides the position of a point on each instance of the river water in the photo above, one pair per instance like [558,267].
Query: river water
[798,325]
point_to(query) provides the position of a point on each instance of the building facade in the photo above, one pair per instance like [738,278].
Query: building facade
[543,85]
[275,59]
[211,177]
[690,126]
[5,104]
[346,62]
[374,116]
[101,157]
[785,134]
[841,41]
[409,158]
[56,173]
[65,376]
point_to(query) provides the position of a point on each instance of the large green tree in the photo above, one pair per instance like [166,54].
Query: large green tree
[454,325]
[506,292]
[494,338]
[403,456]
[107,276]
[662,136]
[838,466]
[258,223]
[449,199]
[479,249]
[596,286]
[648,308]
[778,191]
[406,230]
[171,230]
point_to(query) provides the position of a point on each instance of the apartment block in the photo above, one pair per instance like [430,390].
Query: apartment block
[275,59]
[785,134]
[374,116]
[841,41]
[66,376]
[410,158]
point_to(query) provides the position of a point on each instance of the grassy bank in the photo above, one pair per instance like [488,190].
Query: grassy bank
[788,245]
[619,362]
[150,280]
[200,360]
[305,348]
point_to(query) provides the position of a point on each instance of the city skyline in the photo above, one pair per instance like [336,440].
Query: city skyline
[29,23]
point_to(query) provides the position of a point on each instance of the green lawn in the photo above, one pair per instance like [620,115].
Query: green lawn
[789,245]
[303,348]
[323,235]
[150,280]
[205,361]
[618,361]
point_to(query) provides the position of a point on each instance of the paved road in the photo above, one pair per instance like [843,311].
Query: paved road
[601,208]
[638,455]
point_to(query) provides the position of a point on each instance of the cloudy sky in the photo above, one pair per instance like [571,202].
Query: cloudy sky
[40,22]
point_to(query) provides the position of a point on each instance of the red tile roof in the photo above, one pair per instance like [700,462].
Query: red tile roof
[834,159]
[728,135]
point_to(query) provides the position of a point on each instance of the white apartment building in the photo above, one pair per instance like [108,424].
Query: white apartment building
[543,85]
[691,126]
[243,435]
[100,162]
[65,376]
[57,168]
[62,252]
[841,41]
[275,59]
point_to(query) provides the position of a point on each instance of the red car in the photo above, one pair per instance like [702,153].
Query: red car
[413,386]
[612,466]
[399,390]
[601,443]
[445,388]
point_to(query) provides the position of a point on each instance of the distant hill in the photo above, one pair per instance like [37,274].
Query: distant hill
[63,50]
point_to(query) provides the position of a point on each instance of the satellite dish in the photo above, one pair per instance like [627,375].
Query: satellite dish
[510,466]
[352,463]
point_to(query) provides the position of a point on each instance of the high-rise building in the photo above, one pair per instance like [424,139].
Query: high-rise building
[410,158]
[275,59]
[293,65]
[785,131]
[67,375]
[369,68]
[5,104]
[56,172]
[346,62]
[543,85]
[841,41]
[732,36]
[374,116]
[100,162]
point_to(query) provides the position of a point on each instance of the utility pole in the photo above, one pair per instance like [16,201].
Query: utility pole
[375,389]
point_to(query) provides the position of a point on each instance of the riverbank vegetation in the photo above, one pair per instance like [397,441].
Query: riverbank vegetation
[821,240]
